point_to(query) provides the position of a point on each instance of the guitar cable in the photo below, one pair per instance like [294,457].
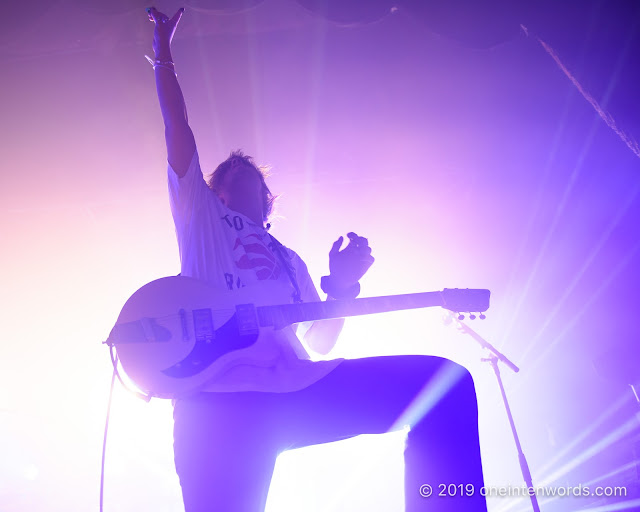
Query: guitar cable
[106,429]
[114,361]
[146,398]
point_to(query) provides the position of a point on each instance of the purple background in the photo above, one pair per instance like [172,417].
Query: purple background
[446,135]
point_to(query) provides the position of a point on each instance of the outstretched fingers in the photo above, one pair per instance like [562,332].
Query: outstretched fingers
[157,17]
[153,14]
[177,16]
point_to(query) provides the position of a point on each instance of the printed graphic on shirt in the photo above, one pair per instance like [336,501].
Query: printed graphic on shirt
[235,222]
[233,282]
[250,253]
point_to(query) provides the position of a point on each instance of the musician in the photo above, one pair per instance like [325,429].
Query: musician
[227,437]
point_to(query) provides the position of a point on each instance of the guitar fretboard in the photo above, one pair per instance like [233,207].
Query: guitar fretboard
[280,316]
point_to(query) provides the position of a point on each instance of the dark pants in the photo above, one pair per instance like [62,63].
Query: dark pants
[226,444]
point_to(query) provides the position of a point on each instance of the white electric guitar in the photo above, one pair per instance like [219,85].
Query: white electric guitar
[176,334]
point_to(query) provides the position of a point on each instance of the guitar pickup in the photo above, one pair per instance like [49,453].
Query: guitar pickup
[247,319]
[203,325]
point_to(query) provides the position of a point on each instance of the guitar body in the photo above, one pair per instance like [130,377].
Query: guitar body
[176,334]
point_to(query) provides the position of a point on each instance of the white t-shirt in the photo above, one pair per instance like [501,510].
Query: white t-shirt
[228,251]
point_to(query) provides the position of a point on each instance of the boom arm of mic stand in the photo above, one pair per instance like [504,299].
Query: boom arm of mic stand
[485,344]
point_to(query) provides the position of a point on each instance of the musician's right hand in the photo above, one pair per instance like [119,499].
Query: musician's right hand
[165,29]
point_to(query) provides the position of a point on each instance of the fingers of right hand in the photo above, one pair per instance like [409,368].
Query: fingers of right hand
[156,16]
[177,15]
[336,246]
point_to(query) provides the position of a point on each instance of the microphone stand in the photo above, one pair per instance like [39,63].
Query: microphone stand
[493,359]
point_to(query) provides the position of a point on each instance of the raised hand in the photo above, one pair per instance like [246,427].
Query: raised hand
[164,31]
[347,266]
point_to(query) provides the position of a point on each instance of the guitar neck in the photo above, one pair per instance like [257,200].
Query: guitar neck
[280,316]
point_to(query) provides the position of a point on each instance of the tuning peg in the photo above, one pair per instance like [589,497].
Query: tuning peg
[482,316]
[472,316]
[461,317]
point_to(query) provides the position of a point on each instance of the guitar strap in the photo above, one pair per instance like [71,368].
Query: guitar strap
[282,253]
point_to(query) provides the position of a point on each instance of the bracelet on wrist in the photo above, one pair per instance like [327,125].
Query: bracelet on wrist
[166,64]
[329,286]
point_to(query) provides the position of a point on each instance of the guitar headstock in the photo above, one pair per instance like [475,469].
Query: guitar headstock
[466,300]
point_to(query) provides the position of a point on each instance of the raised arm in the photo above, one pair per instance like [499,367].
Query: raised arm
[178,135]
